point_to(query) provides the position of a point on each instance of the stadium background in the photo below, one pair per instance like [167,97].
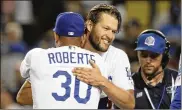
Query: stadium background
[28,24]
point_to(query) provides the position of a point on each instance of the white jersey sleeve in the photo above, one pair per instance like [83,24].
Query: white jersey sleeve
[120,73]
[26,63]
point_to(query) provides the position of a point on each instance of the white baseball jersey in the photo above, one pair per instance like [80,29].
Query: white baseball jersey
[119,68]
[53,84]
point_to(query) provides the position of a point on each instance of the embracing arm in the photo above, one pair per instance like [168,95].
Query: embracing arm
[122,98]
[24,95]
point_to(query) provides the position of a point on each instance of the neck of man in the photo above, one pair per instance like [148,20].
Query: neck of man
[88,46]
[66,41]
[154,79]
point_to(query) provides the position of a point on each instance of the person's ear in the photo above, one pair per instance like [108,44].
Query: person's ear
[83,40]
[56,39]
[89,25]
[138,55]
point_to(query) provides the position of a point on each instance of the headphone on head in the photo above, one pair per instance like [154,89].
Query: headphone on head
[165,58]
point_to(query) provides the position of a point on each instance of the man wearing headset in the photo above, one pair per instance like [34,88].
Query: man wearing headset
[153,82]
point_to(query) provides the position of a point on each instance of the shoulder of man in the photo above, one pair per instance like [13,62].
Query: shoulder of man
[173,72]
[34,51]
[116,53]
[117,50]
[138,81]
[87,51]
[135,75]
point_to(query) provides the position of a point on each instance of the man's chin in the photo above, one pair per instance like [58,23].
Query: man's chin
[103,49]
[149,73]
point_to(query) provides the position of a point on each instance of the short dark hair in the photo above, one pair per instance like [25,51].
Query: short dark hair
[95,12]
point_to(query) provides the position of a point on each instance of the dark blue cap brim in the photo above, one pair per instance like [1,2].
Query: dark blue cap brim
[149,49]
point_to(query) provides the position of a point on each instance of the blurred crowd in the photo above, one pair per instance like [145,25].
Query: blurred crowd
[28,24]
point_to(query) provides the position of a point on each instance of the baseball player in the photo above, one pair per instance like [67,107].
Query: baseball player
[50,70]
[103,22]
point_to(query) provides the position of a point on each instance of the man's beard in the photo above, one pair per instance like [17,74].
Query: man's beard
[153,74]
[96,46]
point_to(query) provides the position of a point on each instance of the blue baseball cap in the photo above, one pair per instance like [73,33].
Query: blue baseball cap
[151,42]
[69,24]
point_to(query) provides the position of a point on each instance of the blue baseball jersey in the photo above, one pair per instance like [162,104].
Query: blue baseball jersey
[176,102]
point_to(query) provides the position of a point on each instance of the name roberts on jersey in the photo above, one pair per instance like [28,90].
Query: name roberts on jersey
[70,57]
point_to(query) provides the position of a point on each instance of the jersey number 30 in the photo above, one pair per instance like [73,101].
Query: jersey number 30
[66,86]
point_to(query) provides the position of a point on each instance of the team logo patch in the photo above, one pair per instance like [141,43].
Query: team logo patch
[169,89]
[70,33]
[129,75]
[128,71]
[150,41]
[140,94]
